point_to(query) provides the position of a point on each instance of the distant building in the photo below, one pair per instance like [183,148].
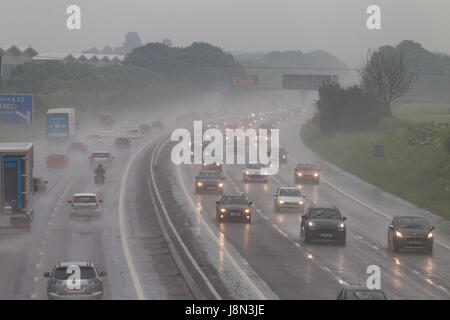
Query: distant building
[13,55]
[167,42]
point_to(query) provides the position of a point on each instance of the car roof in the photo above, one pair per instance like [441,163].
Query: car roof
[101,151]
[77,263]
[360,288]
[414,217]
[86,194]
[287,187]
[323,207]
[306,164]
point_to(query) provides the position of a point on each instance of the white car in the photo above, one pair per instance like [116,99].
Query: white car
[103,157]
[134,133]
[288,198]
[256,172]
[107,133]
[85,204]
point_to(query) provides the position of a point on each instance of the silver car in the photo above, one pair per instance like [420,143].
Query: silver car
[288,198]
[85,204]
[75,281]
[103,157]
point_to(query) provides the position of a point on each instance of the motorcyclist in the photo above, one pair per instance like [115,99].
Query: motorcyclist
[99,171]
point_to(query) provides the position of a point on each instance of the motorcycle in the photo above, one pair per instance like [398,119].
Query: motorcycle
[99,179]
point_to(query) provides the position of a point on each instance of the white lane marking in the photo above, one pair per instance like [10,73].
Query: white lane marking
[365,204]
[175,232]
[122,227]
[208,229]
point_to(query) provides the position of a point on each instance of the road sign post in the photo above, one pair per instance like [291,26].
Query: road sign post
[16,109]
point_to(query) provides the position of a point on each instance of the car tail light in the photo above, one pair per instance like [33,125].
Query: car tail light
[73,200]
[91,159]
[109,158]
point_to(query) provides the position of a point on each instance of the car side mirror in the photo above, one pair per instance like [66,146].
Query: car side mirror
[344,218]
[69,201]
[103,273]
[304,216]
[217,202]
[432,228]
[303,196]
[46,274]
[318,170]
[223,178]
[45,182]
[196,178]
[101,201]
[391,226]
[275,194]
[250,203]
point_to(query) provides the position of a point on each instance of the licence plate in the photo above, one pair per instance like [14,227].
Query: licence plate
[326,235]
[235,213]
[414,242]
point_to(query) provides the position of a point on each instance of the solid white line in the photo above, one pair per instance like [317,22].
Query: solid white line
[169,221]
[122,227]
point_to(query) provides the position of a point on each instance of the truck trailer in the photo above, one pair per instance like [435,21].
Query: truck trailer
[16,185]
[61,123]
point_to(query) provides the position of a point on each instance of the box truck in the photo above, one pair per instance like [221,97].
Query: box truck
[61,123]
[16,185]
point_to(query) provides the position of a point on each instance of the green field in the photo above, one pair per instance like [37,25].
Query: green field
[422,111]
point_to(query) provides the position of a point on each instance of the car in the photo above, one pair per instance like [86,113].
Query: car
[134,133]
[85,204]
[289,198]
[107,132]
[39,184]
[234,207]
[57,161]
[122,143]
[324,223]
[360,293]
[77,147]
[255,172]
[103,157]
[307,172]
[145,128]
[94,139]
[90,286]
[214,166]
[410,232]
[283,155]
[209,181]
[157,125]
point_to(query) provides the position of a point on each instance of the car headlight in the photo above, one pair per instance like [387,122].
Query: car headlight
[341,225]
[280,201]
[284,157]
[398,234]
[246,172]
[223,210]
[299,174]
[205,164]
[220,184]
[310,224]
[247,210]
[316,174]
[430,235]
[300,202]
[199,184]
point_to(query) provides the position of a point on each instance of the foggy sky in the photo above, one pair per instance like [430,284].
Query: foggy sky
[338,26]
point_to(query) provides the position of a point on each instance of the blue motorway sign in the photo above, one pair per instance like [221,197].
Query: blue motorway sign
[16,109]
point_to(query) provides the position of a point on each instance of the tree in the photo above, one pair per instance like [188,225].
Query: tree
[387,74]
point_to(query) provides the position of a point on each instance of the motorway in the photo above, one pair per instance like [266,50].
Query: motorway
[261,260]
[267,260]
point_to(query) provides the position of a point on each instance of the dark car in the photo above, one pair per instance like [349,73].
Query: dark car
[122,143]
[90,286]
[210,181]
[361,293]
[77,147]
[214,166]
[145,128]
[410,232]
[306,172]
[157,125]
[234,207]
[283,155]
[325,223]
[39,184]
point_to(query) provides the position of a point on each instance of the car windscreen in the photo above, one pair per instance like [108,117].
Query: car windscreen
[366,295]
[306,167]
[254,166]
[60,273]
[235,200]
[412,223]
[209,175]
[290,193]
[320,213]
[85,199]
[100,155]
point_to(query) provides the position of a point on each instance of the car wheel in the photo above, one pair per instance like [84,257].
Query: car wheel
[306,237]
[429,250]
[342,241]
[395,247]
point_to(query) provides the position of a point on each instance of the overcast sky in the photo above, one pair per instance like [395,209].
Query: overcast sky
[338,26]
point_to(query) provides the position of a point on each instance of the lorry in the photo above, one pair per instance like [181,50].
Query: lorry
[61,123]
[16,185]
